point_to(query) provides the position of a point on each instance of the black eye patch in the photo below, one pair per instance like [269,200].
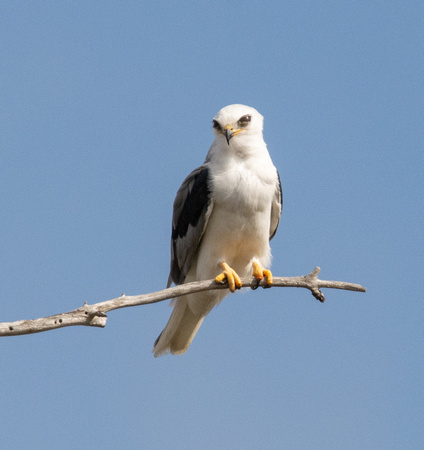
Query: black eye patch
[216,125]
[244,121]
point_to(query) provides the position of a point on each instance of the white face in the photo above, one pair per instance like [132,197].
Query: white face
[237,120]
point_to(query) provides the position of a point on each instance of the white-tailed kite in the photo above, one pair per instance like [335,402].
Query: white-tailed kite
[225,213]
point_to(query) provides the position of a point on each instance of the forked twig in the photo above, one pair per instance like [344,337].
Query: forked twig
[95,315]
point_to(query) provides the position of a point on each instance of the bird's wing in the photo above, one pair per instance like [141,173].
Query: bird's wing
[192,209]
[277,206]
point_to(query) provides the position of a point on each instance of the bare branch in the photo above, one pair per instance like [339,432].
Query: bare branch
[95,315]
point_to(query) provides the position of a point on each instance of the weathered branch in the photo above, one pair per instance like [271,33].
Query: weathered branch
[95,315]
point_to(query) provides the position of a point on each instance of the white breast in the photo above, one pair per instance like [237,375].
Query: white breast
[238,228]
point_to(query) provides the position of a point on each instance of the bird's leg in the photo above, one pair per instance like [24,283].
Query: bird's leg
[259,273]
[230,274]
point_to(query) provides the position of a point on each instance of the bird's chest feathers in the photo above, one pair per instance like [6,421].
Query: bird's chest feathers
[241,190]
[238,228]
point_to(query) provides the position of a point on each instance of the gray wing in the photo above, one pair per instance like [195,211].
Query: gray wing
[277,206]
[192,209]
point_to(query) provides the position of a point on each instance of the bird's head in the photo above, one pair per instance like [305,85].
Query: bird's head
[237,120]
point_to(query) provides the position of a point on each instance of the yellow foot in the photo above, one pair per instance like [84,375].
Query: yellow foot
[259,273]
[230,274]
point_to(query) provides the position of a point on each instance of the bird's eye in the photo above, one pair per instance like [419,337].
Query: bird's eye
[216,125]
[244,121]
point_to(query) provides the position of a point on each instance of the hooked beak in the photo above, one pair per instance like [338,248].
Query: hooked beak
[228,135]
[230,132]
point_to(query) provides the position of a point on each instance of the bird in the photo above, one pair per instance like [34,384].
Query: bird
[224,215]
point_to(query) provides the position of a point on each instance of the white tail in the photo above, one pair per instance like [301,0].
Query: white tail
[180,330]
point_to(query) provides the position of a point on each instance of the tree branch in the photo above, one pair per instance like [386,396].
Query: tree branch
[95,315]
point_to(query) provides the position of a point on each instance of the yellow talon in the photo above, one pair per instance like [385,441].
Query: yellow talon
[259,273]
[230,274]
[268,276]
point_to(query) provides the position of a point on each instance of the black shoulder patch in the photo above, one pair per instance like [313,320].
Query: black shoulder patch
[195,204]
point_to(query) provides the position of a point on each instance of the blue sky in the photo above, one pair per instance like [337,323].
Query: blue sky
[105,108]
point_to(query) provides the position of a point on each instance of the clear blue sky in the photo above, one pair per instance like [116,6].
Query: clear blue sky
[105,107]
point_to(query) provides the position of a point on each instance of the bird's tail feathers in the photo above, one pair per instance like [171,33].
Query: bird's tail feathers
[180,330]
